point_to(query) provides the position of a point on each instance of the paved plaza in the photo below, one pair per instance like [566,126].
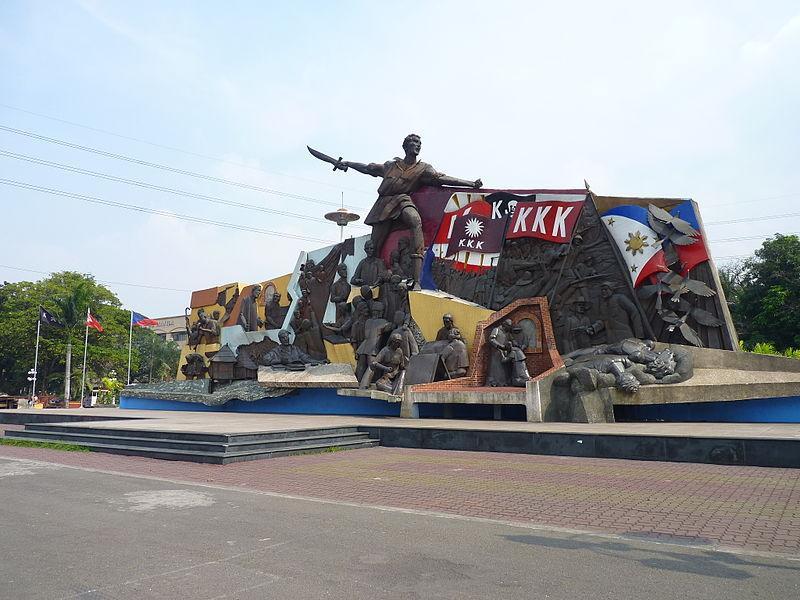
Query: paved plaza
[738,508]
[176,530]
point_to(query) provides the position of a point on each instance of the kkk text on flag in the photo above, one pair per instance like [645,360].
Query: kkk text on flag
[49,318]
[476,233]
[551,220]
[638,244]
[93,323]
[142,321]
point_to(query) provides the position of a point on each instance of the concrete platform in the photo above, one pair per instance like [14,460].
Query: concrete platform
[754,444]
[235,423]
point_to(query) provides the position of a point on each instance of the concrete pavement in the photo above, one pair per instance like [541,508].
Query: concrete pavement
[78,533]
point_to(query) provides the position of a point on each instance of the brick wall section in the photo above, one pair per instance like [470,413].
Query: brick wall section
[541,361]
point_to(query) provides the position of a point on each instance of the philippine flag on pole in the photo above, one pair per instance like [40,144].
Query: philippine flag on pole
[637,242]
[142,321]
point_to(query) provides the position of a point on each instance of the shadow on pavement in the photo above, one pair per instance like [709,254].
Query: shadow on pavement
[707,563]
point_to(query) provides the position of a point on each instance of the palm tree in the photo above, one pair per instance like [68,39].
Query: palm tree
[73,308]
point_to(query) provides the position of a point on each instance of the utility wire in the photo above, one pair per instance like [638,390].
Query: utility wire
[93,199]
[144,184]
[181,150]
[752,219]
[779,197]
[751,237]
[154,211]
[162,167]
[139,285]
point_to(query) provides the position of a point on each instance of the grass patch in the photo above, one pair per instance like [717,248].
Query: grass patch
[49,445]
[333,449]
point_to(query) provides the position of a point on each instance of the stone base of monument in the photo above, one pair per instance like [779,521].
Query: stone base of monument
[318,376]
[371,393]
[725,387]
[490,396]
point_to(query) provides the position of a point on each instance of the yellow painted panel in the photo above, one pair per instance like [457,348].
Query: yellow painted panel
[427,309]
[201,349]
[282,284]
[340,353]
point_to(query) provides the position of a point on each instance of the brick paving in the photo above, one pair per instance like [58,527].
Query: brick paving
[748,508]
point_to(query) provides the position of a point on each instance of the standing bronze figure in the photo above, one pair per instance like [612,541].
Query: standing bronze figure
[401,178]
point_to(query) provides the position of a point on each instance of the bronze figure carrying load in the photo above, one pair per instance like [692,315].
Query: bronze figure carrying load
[401,178]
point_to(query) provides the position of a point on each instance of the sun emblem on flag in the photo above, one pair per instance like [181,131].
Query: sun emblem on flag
[636,242]
[473,228]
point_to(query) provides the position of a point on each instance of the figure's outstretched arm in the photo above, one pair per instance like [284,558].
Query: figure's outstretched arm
[455,181]
[373,169]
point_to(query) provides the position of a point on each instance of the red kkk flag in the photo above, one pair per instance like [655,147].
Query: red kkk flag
[447,229]
[92,322]
[552,220]
[476,233]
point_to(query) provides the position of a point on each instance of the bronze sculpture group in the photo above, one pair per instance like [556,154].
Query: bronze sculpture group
[599,328]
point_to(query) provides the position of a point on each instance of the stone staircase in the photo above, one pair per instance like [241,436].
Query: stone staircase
[218,449]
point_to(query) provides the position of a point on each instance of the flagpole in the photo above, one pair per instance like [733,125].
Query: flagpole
[36,358]
[85,348]
[130,343]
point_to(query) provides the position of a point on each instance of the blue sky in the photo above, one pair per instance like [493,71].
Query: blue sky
[679,99]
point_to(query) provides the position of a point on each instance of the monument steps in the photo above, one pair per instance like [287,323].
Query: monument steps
[186,435]
[205,448]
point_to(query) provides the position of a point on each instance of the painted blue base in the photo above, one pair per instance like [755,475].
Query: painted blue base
[764,410]
[314,401]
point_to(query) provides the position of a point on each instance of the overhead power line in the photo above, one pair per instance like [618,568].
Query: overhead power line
[779,197]
[181,150]
[139,285]
[151,186]
[163,167]
[752,219]
[155,211]
[751,237]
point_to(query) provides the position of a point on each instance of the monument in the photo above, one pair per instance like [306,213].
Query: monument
[570,304]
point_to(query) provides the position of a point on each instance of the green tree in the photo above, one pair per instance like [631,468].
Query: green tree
[157,358]
[765,294]
[66,295]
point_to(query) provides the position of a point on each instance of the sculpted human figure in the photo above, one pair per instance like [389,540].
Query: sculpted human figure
[195,367]
[447,326]
[516,359]
[286,355]
[409,343]
[619,317]
[405,255]
[394,263]
[371,268]
[394,295]
[374,330]
[387,369]
[273,312]
[586,373]
[207,328]
[248,312]
[648,365]
[340,294]
[577,327]
[455,357]
[500,341]
[401,178]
